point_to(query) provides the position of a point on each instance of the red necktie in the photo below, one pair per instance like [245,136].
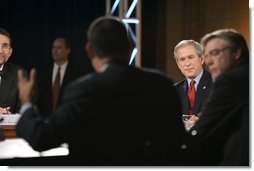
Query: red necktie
[191,95]
[56,89]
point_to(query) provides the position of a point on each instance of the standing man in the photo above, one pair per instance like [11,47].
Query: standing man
[9,100]
[194,89]
[221,135]
[119,116]
[53,81]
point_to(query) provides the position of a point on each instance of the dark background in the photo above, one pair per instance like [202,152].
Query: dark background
[33,24]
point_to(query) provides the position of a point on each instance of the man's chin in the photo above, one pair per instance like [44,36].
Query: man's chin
[2,61]
[191,75]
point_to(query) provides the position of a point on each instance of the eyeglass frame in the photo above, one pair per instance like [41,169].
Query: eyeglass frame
[215,52]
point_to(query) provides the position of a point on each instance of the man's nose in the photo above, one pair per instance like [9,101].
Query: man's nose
[187,62]
[208,61]
[1,49]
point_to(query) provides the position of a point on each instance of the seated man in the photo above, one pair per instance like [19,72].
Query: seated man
[9,100]
[221,135]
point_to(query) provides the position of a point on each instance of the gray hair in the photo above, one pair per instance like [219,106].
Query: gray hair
[184,43]
[234,39]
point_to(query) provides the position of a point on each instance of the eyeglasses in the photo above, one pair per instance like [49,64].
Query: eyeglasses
[215,52]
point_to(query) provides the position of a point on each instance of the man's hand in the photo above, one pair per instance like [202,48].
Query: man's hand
[5,110]
[189,121]
[26,86]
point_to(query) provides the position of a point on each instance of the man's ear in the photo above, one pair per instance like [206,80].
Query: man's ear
[11,50]
[89,50]
[202,58]
[238,54]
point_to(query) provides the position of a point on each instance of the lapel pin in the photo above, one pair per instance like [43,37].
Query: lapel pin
[204,87]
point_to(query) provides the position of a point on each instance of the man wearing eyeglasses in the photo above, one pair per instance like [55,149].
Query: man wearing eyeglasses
[9,101]
[221,135]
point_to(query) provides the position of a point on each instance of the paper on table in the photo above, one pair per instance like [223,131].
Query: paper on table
[18,147]
[9,119]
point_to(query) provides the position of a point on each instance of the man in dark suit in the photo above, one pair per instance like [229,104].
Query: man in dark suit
[69,71]
[221,135]
[120,115]
[9,100]
[189,58]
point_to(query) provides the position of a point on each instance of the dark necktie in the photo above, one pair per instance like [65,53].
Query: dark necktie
[56,89]
[191,95]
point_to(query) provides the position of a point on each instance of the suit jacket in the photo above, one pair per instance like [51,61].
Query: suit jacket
[201,96]
[9,87]
[221,136]
[44,103]
[123,116]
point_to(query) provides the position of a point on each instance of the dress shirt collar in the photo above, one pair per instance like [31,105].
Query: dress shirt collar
[104,67]
[62,71]
[196,79]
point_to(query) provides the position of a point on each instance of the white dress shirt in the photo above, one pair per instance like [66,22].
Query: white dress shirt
[62,72]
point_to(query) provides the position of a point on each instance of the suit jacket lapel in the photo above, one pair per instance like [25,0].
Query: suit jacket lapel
[67,76]
[199,96]
[66,79]
[6,84]
[201,90]
[185,98]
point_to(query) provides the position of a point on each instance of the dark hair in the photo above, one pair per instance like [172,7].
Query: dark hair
[66,41]
[6,33]
[235,40]
[109,38]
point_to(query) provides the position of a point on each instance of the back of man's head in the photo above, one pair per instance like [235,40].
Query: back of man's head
[109,38]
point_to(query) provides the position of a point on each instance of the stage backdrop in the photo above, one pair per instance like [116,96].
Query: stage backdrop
[33,24]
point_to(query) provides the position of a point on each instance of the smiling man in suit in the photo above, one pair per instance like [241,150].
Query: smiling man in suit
[9,101]
[189,58]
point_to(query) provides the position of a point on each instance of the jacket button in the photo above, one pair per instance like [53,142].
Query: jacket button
[183,146]
[147,143]
[194,132]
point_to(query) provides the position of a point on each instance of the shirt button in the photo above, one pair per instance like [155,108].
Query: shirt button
[183,146]
[147,143]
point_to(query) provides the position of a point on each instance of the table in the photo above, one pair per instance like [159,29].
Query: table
[17,152]
[9,131]
[8,124]
[19,148]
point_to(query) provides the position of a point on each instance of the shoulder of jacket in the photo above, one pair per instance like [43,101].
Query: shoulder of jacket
[180,83]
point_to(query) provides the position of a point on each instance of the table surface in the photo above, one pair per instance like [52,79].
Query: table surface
[9,119]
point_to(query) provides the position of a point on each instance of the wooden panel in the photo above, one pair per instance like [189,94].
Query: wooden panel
[191,19]
[9,131]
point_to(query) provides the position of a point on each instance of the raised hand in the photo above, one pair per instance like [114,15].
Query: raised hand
[26,86]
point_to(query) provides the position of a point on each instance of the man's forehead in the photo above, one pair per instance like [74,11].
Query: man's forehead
[4,39]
